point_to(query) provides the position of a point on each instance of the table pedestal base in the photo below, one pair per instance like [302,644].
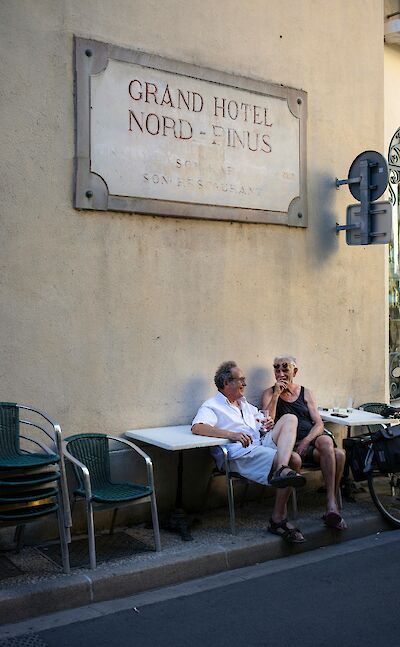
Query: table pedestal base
[179,523]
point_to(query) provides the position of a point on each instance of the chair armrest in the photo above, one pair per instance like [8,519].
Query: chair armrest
[132,446]
[146,458]
[82,467]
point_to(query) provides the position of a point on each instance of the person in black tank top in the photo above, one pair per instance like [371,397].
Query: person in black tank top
[300,409]
[313,443]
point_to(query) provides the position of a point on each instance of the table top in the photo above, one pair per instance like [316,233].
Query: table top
[174,438]
[181,437]
[355,418]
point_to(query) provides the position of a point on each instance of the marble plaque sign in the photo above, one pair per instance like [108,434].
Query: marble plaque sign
[162,137]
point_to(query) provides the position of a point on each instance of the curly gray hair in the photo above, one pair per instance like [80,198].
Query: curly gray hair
[223,373]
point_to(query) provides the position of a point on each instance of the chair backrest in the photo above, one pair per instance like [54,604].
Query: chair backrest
[92,450]
[373,407]
[9,429]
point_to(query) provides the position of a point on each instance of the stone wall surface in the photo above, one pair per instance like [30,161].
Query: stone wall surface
[113,321]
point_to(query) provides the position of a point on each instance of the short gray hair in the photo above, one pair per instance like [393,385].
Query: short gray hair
[223,373]
[289,358]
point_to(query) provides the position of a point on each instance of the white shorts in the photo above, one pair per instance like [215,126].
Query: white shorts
[257,464]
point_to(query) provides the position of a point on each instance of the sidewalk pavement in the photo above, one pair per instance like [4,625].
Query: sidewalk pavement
[32,582]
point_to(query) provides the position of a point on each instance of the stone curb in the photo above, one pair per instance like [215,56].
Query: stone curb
[111,582]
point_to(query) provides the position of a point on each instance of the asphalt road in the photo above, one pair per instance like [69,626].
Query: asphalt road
[344,600]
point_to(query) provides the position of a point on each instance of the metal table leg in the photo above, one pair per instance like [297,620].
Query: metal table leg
[178,521]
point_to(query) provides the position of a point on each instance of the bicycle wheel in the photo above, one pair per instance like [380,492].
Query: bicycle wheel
[385,493]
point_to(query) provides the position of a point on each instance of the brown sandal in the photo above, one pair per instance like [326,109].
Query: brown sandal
[281,528]
[290,479]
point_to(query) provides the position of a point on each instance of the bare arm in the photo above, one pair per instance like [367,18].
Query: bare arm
[270,399]
[318,426]
[202,429]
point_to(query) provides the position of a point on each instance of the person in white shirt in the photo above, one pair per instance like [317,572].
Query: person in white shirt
[262,457]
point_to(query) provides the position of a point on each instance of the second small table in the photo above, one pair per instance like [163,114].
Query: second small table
[354,418]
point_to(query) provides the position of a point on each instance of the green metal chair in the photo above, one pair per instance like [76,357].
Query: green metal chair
[32,483]
[90,456]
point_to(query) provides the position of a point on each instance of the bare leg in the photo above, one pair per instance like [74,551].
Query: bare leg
[295,462]
[284,436]
[279,512]
[340,456]
[282,496]
[280,508]
[324,454]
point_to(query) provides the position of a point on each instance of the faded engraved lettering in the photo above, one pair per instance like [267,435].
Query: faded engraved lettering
[200,183]
[249,137]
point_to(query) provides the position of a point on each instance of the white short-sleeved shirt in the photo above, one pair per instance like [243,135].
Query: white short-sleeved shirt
[219,412]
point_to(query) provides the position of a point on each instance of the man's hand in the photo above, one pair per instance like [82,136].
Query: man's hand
[280,386]
[302,446]
[268,423]
[241,437]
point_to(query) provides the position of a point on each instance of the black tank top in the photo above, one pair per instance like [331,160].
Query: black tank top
[300,410]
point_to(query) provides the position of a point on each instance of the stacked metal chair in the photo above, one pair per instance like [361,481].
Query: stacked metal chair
[90,456]
[32,474]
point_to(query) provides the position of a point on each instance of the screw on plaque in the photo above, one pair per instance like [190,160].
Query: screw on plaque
[89,194]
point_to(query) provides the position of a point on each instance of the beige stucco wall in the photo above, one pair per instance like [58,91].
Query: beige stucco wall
[392,92]
[112,321]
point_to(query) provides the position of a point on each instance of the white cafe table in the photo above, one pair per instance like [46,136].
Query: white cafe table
[355,418]
[176,439]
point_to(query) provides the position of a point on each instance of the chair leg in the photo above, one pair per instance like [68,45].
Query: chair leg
[295,510]
[154,517]
[91,538]
[231,503]
[65,496]
[63,535]
[65,512]
[113,518]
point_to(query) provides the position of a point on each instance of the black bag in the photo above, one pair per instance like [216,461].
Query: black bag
[390,412]
[356,453]
[386,445]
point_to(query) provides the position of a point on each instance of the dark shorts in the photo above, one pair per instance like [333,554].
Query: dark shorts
[308,456]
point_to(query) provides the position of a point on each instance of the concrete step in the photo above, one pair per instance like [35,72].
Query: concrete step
[42,588]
